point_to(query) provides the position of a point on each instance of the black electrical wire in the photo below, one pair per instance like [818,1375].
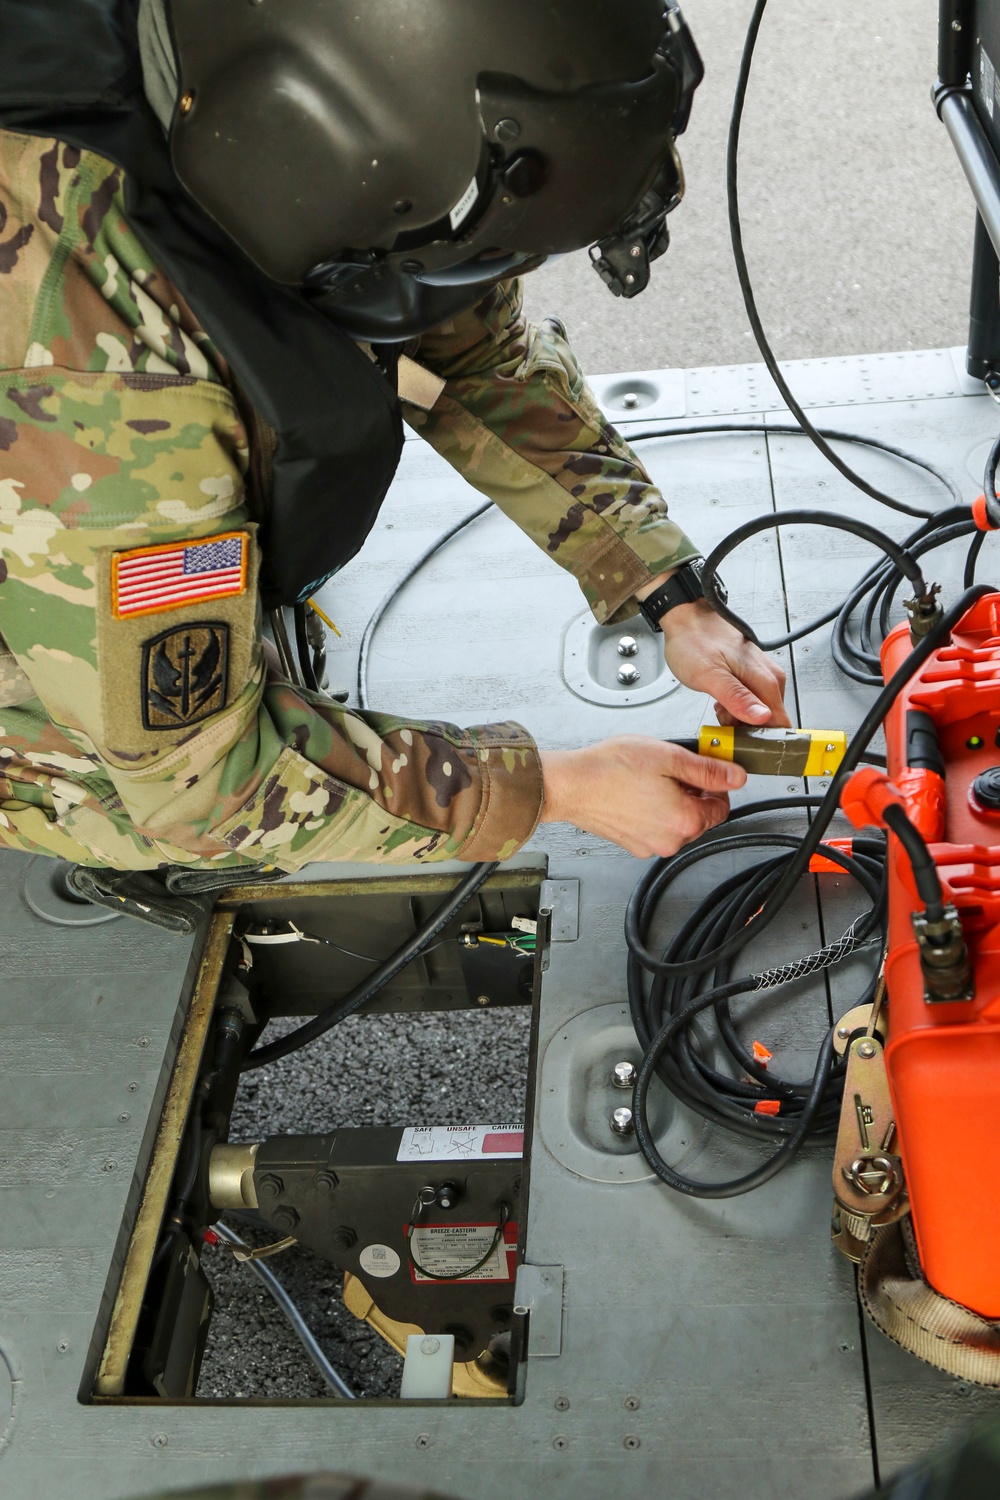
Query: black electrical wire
[925,873]
[306,663]
[990,485]
[797,866]
[746,286]
[738,911]
[300,1327]
[387,971]
[898,555]
[785,429]
[398,586]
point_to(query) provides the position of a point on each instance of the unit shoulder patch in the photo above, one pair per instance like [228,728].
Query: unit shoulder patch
[149,580]
[185,675]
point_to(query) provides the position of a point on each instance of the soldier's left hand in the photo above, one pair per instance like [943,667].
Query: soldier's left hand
[708,654]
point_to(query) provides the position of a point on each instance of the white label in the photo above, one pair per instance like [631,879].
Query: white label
[461,1142]
[448,1250]
[989,77]
[379,1260]
[465,204]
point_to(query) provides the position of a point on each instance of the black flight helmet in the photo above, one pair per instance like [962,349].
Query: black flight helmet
[397,158]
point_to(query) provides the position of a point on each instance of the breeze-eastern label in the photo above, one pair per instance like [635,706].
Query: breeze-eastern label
[465,205]
[461,1143]
[449,1251]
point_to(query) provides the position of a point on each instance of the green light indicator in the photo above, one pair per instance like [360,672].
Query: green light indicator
[974,742]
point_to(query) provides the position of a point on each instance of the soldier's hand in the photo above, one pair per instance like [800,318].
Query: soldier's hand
[708,654]
[647,796]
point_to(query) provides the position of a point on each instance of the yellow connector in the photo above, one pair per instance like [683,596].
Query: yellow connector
[775,752]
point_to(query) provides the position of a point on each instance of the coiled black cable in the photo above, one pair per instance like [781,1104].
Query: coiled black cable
[370,986]
[693,973]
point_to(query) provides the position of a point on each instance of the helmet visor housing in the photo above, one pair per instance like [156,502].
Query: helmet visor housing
[400,160]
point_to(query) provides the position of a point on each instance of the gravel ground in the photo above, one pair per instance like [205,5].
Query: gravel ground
[449,1068]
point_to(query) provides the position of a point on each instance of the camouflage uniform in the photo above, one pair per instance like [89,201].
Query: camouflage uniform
[135,737]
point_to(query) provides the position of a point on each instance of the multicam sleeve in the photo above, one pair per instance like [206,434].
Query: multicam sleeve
[517,419]
[128,600]
[139,724]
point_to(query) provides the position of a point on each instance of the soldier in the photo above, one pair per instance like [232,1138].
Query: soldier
[186,369]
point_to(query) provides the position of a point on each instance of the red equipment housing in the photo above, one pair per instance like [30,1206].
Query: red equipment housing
[943,1059]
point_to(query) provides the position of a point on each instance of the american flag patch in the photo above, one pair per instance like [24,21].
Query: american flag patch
[152,579]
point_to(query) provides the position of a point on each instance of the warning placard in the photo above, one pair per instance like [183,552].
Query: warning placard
[461,1142]
[448,1252]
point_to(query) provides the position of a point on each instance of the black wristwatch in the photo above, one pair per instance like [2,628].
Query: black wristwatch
[683,587]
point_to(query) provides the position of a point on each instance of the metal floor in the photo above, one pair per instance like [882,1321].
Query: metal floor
[710,1351]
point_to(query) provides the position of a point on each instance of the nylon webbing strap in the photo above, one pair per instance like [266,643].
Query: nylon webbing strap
[904,1307]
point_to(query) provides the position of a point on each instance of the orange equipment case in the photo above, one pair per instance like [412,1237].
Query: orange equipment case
[943,1059]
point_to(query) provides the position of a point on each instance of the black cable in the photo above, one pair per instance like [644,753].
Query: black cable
[306,666]
[370,986]
[870,725]
[398,586]
[925,874]
[746,286]
[902,559]
[990,484]
[784,429]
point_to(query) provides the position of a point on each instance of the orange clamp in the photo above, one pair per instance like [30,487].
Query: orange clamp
[820,865]
[767,1107]
[980,514]
[761,1055]
[866,796]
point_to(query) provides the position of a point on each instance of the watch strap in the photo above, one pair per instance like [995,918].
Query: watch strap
[682,587]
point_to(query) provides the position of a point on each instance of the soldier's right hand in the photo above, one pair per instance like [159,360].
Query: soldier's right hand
[649,797]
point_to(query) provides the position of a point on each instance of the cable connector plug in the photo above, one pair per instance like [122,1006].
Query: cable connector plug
[944,957]
[924,611]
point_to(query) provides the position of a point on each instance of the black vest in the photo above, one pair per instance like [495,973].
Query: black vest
[70,69]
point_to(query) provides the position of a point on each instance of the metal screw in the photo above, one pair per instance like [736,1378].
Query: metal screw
[843,1032]
[160,1440]
[285,1217]
[715,743]
[561,1403]
[270,1186]
[956,25]
[430,1346]
[628,675]
[830,749]
[628,646]
[867,1049]
[63,1345]
[560,1443]
[186,103]
[623,1075]
[423,1440]
[142,1041]
[132,1087]
[630,279]
[632,1403]
[622,1122]
[506,130]
[635,251]
[124,1117]
[109,1166]
[482,999]
[631,1441]
[630,400]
